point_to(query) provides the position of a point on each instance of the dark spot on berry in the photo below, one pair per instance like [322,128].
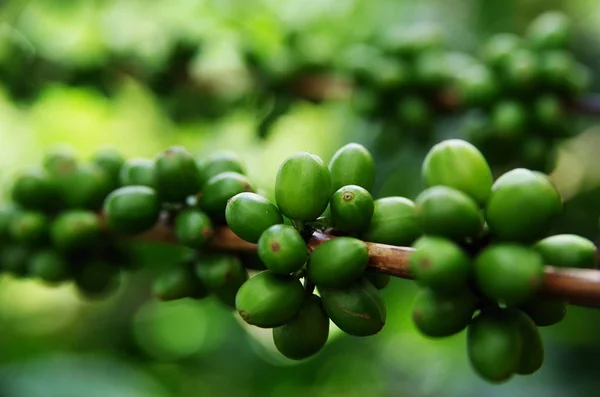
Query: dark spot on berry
[247,187]
[425,263]
[207,232]
[275,247]
[245,315]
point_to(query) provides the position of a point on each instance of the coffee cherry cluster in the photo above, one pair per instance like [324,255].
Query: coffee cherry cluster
[520,93]
[311,196]
[481,260]
[190,195]
[51,230]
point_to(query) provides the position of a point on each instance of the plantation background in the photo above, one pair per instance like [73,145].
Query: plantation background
[54,344]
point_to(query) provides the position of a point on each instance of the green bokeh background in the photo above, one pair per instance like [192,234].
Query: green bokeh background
[53,344]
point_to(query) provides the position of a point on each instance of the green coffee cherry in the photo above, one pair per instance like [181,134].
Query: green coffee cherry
[132,209]
[509,273]
[282,249]
[414,112]
[76,231]
[351,208]
[380,281]
[35,190]
[516,191]
[545,311]
[178,282]
[219,162]
[521,69]
[440,264]
[352,164]
[249,215]
[477,86]
[458,164]
[302,187]
[110,160]
[281,298]
[84,187]
[448,212]
[60,160]
[137,172]
[388,74]
[338,262]
[223,275]
[551,29]
[499,47]
[97,279]
[532,356]
[509,119]
[14,259]
[556,67]
[394,222]
[494,346]
[29,228]
[438,316]
[548,111]
[431,69]
[304,335]
[176,175]
[568,250]
[219,189]
[49,267]
[193,228]
[357,309]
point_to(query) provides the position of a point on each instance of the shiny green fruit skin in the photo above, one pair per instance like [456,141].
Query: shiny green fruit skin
[132,209]
[440,264]
[568,250]
[176,175]
[178,282]
[76,231]
[304,335]
[494,346]
[351,208]
[111,161]
[522,206]
[35,190]
[97,279]
[49,267]
[222,275]
[436,315]
[509,273]
[137,172]
[302,187]
[460,165]
[14,259]
[532,356]
[337,262]
[248,215]
[193,228]
[357,309]
[380,281]
[268,300]
[551,29]
[448,212]
[282,249]
[545,311]
[220,162]
[29,228]
[84,187]
[394,222]
[220,188]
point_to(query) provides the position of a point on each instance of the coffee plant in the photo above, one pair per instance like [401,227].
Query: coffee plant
[480,246]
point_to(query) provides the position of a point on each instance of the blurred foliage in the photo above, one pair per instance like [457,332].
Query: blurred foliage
[90,73]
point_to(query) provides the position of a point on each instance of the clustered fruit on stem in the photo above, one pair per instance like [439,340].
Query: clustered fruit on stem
[480,245]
